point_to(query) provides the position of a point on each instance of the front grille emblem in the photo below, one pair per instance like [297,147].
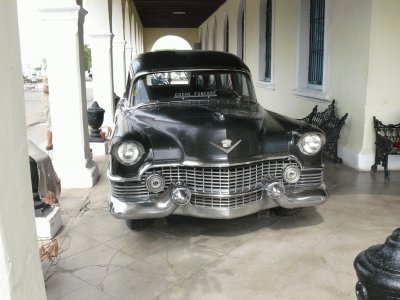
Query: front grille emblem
[226,145]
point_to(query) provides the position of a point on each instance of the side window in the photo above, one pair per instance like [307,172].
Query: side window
[245,87]
[211,83]
[226,81]
[138,94]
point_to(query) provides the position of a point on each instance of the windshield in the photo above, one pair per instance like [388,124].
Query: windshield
[191,85]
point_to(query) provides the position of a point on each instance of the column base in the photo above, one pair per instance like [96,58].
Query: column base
[77,176]
[100,148]
[48,225]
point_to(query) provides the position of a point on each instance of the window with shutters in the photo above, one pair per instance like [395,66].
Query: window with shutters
[241,30]
[316,42]
[266,45]
[312,55]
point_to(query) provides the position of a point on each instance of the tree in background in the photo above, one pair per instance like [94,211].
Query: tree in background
[87,57]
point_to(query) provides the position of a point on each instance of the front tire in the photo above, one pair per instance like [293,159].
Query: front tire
[139,224]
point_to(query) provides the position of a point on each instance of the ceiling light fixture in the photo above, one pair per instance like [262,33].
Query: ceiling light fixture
[179,12]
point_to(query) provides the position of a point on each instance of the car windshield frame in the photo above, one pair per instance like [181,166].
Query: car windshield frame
[191,84]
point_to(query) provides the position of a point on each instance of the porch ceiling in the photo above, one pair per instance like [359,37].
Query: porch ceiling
[175,13]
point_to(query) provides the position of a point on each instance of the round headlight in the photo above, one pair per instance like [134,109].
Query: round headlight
[155,183]
[129,153]
[310,143]
[291,174]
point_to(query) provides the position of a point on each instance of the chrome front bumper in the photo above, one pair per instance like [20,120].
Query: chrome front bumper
[161,205]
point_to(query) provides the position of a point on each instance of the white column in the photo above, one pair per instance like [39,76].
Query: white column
[134,53]
[119,66]
[20,272]
[128,57]
[102,70]
[71,155]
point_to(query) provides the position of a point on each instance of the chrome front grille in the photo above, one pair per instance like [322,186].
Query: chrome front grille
[222,181]
[129,189]
[226,180]
[226,202]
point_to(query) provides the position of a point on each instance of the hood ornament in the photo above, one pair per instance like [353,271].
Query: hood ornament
[226,145]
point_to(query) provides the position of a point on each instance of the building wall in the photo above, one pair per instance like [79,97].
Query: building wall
[348,52]
[151,35]
[383,93]
[361,47]
[229,10]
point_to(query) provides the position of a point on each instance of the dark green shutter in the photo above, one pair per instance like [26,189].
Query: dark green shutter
[316,54]
[268,39]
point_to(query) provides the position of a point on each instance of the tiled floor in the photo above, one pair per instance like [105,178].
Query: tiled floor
[306,256]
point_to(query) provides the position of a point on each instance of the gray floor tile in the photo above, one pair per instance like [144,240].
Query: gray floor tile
[74,243]
[102,229]
[226,278]
[142,243]
[131,284]
[94,264]
[183,258]
[61,284]
[88,293]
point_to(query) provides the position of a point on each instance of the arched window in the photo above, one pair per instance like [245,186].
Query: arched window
[214,35]
[241,30]
[226,34]
[171,42]
[206,39]
[201,38]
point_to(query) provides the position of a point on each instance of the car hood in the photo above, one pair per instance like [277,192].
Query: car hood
[195,133]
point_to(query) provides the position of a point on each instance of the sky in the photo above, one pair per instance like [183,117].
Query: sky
[31,30]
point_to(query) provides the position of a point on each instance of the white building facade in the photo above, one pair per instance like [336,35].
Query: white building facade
[358,68]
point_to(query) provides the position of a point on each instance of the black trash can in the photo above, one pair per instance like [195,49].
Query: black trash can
[378,270]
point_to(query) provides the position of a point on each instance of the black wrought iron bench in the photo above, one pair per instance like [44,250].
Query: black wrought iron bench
[330,125]
[387,141]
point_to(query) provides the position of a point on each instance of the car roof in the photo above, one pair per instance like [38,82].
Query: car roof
[159,61]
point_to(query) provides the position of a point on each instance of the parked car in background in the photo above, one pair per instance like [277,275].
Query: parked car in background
[199,144]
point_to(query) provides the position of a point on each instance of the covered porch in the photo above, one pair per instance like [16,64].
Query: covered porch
[183,258]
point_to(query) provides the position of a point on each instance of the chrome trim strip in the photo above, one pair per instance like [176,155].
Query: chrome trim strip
[257,188]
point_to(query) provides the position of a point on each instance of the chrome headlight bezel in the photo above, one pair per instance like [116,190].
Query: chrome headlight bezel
[128,159]
[311,143]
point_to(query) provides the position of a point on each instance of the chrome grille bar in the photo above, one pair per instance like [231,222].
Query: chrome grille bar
[230,202]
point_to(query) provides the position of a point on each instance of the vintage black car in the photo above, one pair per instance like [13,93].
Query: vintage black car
[191,139]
